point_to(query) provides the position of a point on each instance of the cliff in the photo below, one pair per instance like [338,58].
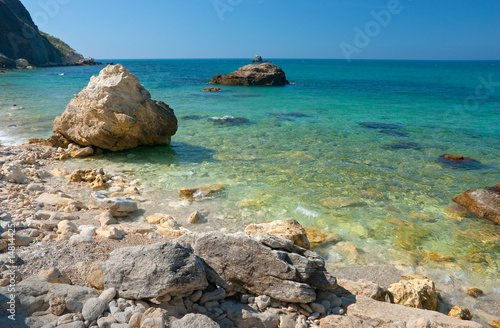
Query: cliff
[20,38]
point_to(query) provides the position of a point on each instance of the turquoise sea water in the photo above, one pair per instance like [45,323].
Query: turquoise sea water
[304,155]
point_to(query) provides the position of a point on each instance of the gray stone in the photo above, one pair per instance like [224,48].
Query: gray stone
[373,311]
[121,325]
[244,316]
[122,317]
[334,321]
[34,293]
[93,308]
[195,321]
[360,287]
[76,324]
[263,302]
[195,297]
[106,322]
[249,265]
[116,206]
[315,307]
[216,295]
[149,271]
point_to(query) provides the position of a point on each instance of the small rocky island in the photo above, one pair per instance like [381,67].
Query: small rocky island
[261,74]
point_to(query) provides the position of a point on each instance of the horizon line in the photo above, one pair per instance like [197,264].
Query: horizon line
[294,58]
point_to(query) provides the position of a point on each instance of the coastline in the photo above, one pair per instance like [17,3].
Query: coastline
[52,249]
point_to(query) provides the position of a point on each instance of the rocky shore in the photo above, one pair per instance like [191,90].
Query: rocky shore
[81,261]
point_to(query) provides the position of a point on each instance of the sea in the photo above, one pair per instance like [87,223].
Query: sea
[351,148]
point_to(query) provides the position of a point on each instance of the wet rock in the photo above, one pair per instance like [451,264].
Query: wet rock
[177,271]
[261,74]
[249,265]
[417,292]
[317,236]
[475,292]
[460,312]
[289,229]
[484,203]
[459,161]
[212,89]
[116,206]
[116,112]
[199,193]
[228,120]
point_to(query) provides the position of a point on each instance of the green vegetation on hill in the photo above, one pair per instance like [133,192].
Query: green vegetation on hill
[60,45]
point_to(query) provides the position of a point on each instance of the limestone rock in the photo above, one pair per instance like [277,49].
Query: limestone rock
[110,232]
[199,193]
[418,292]
[116,112]
[288,276]
[361,287]
[484,203]
[334,321]
[55,276]
[66,227]
[195,321]
[262,74]
[195,217]
[380,313]
[58,201]
[290,229]
[34,293]
[150,271]
[116,206]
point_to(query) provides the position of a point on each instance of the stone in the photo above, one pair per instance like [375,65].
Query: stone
[228,120]
[77,239]
[459,161]
[75,324]
[82,152]
[13,172]
[195,217]
[58,201]
[105,322]
[361,287]
[257,59]
[460,312]
[34,293]
[56,305]
[484,203]
[212,89]
[334,321]
[116,206]
[153,323]
[475,292]
[195,321]
[261,74]
[109,232]
[108,295]
[3,244]
[250,266]
[97,178]
[177,271]
[263,302]
[105,218]
[55,276]
[290,229]
[316,307]
[155,219]
[216,295]
[93,308]
[317,237]
[418,292]
[380,313]
[243,315]
[116,112]
[66,227]
[20,239]
[137,228]
[199,193]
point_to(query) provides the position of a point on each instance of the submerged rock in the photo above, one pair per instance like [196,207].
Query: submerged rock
[228,120]
[459,161]
[116,112]
[484,203]
[199,193]
[261,74]
[212,89]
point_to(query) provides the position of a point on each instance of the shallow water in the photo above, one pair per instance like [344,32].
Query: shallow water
[304,154]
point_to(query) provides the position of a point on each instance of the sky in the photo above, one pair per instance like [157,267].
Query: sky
[339,29]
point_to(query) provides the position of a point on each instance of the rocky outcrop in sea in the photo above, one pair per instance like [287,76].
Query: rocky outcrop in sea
[116,112]
[261,74]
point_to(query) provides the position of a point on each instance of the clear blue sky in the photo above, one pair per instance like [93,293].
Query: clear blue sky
[413,29]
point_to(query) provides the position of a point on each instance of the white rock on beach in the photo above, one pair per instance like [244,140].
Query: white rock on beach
[116,112]
[116,206]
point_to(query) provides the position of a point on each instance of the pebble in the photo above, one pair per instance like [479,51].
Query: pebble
[93,308]
[337,310]
[315,307]
[105,322]
[326,304]
[336,301]
[211,305]
[123,317]
[108,295]
[195,297]
[263,302]
[216,295]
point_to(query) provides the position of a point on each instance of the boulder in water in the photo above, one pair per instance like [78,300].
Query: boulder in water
[261,74]
[484,203]
[116,112]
